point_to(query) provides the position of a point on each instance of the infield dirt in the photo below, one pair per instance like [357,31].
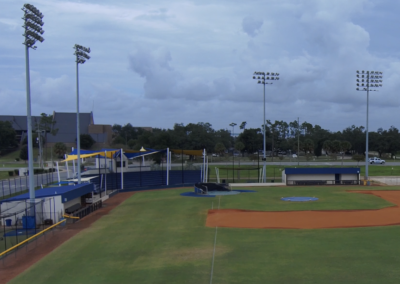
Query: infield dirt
[234,218]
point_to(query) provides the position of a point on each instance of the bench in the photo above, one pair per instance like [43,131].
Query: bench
[73,208]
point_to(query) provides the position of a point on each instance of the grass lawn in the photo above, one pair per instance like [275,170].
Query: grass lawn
[160,237]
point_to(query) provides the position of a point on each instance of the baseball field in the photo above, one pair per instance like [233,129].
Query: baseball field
[163,237]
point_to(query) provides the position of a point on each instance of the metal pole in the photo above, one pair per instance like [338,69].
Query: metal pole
[298,141]
[29,134]
[168,166]
[366,134]
[264,156]
[78,142]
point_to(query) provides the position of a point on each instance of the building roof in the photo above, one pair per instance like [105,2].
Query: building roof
[19,122]
[316,171]
[67,192]
[66,125]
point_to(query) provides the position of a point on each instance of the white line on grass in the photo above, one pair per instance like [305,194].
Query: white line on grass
[215,244]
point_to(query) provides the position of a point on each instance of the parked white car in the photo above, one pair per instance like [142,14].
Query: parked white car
[376,160]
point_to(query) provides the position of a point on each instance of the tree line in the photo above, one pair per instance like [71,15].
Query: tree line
[280,137]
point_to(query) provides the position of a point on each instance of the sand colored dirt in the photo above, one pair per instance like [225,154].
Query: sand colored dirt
[310,219]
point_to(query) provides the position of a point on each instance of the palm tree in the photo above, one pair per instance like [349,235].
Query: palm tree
[345,146]
[327,146]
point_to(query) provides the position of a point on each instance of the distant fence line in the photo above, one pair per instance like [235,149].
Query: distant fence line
[12,186]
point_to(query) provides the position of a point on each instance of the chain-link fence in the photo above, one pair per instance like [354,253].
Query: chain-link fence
[20,220]
[13,186]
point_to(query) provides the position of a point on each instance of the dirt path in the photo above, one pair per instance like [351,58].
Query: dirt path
[310,219]
[18,262]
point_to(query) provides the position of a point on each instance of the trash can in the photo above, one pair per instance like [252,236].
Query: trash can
[8,222]
[63,223]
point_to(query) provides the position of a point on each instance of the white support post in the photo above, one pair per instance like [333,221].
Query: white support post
[207,170]
[66,164]
[122,170]
[168,164]
[204,165]
[105,172]
[73,164]
[58,174]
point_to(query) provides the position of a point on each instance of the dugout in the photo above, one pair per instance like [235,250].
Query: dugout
[54,202]
[321,176]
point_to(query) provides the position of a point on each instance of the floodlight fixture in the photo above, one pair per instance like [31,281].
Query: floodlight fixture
[32,33]
[33,25]
[371,79]
[265,79]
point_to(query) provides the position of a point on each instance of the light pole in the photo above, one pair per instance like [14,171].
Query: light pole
[366,80]
[233,151]
[263,78]
[33,30]
[81,54]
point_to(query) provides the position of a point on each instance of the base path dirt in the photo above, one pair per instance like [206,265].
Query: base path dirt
[310,219]
[18,262]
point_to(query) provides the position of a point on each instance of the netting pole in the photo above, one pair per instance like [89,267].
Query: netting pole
[4,234]
[182,165]
[16,229]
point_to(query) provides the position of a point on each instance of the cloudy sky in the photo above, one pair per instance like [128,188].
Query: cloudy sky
[156,63]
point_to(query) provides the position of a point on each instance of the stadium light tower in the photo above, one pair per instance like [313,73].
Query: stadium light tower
[263,78]
[365,81]
[81,54]
[33,32]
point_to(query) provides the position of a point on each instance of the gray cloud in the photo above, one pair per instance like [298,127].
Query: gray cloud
[251,25]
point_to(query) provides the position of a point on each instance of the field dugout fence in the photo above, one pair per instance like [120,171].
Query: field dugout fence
[133,180]
[13,186]
[19,220]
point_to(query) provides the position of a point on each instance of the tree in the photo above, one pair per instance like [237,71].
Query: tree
[219,148]
[358,158]
[7,135]
[344,147]
[328,147]
[23,153]
[239,146]
[86,141]
[45,125]
[308,147]
[243,125]
[60,149]
[252,139]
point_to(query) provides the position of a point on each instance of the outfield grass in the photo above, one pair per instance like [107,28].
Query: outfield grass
[160,237]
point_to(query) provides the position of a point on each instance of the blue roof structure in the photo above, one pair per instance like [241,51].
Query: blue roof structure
[67,193]
[321,171]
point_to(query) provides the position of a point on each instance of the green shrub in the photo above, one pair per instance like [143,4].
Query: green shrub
[10,173]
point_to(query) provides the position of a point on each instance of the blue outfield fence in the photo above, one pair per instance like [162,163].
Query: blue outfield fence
[133,180]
